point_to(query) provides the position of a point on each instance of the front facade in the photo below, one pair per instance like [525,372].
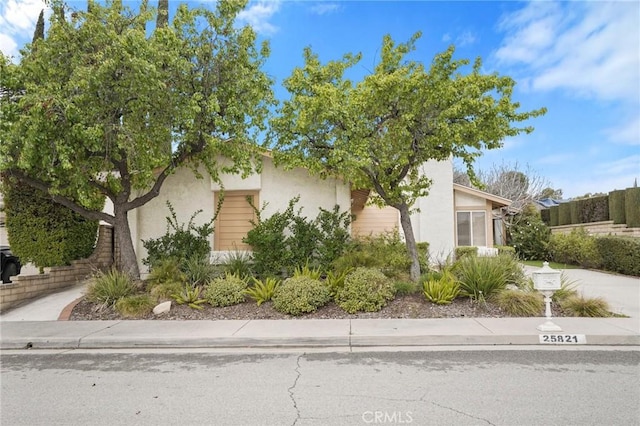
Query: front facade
[449,216]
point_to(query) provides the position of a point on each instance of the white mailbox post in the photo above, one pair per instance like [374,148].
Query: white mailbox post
[547,281]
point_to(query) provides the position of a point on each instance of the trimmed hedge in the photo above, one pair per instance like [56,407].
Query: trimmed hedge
[545,215]
[632,207]
[554,215]
[462,251]
[564,214]
[616,207]
[620,254]
[594,209]
[575,212]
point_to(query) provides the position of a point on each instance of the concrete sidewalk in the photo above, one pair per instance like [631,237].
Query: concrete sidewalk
[309,333]
[34,325]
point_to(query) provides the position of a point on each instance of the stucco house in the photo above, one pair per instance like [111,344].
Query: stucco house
[451,215]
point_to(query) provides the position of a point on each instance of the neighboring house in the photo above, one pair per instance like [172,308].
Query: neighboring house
[449,216]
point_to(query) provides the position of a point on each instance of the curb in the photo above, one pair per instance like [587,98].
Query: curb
[66,312]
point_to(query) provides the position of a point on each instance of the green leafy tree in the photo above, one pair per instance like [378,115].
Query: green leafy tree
[379,132]
[84,116]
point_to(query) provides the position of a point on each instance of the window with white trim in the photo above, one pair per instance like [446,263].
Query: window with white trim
[471,228]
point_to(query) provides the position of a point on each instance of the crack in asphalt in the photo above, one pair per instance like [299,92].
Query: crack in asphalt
[292,387]
[463,413]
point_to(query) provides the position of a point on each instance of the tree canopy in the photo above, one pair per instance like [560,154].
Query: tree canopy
[88,111]
[377,133]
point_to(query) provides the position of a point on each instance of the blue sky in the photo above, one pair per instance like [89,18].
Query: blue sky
[581,60]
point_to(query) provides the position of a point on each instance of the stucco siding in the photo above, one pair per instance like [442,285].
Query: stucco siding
[434,223]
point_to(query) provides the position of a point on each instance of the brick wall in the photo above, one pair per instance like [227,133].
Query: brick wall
[25,287]
[599,228]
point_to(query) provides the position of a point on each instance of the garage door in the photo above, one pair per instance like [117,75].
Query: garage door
[234,220]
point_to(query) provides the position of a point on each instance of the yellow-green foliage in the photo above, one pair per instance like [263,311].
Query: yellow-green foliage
[299,295]
[442,290]
[109,287]
[306,271]
[166,270]
[482,276]
[164,290]
[262,290]
[190,296]
[226,291]
[335,280]
[579,306]
[365,289]
[136,306]
[520,303]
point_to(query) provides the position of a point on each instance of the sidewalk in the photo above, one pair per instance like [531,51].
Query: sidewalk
[35,326]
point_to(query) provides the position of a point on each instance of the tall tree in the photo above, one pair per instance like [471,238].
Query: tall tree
[38,34]
[82,115]
[379,132]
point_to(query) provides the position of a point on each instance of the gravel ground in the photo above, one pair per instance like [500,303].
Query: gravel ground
[412,306]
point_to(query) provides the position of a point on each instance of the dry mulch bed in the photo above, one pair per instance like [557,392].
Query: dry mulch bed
[411,306]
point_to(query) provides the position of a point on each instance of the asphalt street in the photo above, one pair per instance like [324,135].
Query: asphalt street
[462,387]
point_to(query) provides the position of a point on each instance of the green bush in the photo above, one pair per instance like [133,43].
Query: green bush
[180,242]
[594,209]
[574,211]
[405,287]
[198,271]
[386,252]
[189,295]
[335,280]
[575,248]
[530,238]
[545,215]
[567,289]
[165,290]
[135,306]
[619,254]
[506,250]
[109,287]
[481,277]
[262,290]
[225,291]
[441,291]
[579,306]
[520,303]
[44,232]
[287,240]
[166,270]
[632,207]
[462,251]
[239,263]
[365,289]
[616,207]
[296,296]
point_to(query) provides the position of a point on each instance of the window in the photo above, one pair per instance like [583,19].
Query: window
[471,227]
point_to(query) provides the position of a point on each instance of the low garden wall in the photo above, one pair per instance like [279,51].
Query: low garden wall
[26,287]
[606,227]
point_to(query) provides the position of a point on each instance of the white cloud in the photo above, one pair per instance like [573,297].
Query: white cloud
[258,14]
[465,39]
[323,8]
[589,48]
[627,133]
[17,22]
[628,165]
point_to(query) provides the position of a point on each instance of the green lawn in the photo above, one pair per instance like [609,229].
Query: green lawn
[552,265]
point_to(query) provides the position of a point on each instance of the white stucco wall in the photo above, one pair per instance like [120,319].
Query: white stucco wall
[434,223]
[188,194]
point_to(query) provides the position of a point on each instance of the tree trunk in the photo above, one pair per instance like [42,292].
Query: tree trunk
[126,260]
[410,239]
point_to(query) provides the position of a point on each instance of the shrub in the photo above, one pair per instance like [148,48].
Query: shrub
[239,263]
[165,290]
[166,270]
[530,238]
[296,296]
[567,290]
[365,289]
[481,277]
[520,303]
[136,306]
[462,251]
[554,216]
[575,248]
[191,296]
[594,209]
[545,215]
[386,252]
[405,287]
[225,291]
[306,271]
[335,280]
[506,250]
[198,271]
[441,291]
[620,254]
[109,287]
[579,306]
[262,290]
[42,231]
[180,242]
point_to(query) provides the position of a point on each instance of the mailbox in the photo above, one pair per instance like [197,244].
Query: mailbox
[546,279]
